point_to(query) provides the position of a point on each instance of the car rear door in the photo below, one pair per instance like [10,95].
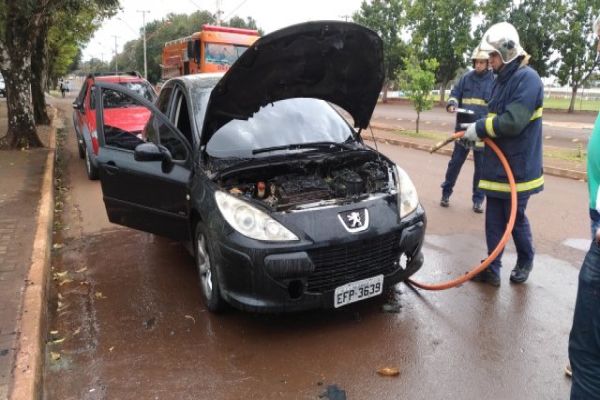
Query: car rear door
[150,195]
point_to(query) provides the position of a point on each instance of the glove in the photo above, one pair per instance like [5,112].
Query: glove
[471,133]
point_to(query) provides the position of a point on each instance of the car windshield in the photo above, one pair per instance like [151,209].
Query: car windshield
[219,53]
[114,99]
[143,89]
[281,124]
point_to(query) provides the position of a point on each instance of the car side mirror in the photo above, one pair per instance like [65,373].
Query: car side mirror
[147,152]
[151,152]
[76,106]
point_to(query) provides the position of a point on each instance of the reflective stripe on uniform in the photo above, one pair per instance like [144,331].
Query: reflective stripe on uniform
[489,126]
[474,101]
[505,187]
[537,114]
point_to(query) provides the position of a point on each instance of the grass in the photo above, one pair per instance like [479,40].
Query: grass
[575,155]
[580,105]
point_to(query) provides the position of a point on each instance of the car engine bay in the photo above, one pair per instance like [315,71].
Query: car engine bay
[285,186]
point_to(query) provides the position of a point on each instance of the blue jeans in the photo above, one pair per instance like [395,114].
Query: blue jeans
[459,155]
[584,340]
[595,222]
[496,217]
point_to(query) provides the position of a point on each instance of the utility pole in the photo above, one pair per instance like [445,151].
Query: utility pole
[144,30]
[116,54]
[219,12]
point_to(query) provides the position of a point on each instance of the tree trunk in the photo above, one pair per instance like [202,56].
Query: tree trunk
[418,119]
[386,86]
[443,86]
[573,97]
[39,73]
[17,46]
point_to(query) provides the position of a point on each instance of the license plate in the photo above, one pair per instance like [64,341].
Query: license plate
[357,291]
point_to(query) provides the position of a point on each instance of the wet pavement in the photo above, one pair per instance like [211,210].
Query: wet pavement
[127,320]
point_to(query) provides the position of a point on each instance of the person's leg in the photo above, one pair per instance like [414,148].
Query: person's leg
[478,195]
[584,340]
[459,155]
[495,224]
[524,244]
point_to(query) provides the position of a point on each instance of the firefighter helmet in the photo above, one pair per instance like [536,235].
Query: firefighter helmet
[502,38]
[478,54]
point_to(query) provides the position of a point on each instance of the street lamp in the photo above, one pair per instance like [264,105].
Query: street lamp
[144,30]
[116,55]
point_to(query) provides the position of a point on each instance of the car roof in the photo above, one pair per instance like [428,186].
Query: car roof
[199,81]
[118,78]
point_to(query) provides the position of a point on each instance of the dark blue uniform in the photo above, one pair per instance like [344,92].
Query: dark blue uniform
[472,93]
[514,123]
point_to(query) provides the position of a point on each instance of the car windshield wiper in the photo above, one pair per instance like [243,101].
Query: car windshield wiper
[312,145]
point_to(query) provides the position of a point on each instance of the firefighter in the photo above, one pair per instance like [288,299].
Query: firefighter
[514,123]
[471,93]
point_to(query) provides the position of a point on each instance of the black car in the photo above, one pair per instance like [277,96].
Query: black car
[285,205]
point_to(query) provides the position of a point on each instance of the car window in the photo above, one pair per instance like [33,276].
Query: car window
[285,122]
[142,89]
[181,116]
[82,93]
[122,126]
[222,53]
[163,99]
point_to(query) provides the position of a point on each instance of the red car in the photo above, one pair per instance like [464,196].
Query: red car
[125,119]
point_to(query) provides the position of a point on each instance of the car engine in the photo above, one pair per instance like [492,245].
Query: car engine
[286,186]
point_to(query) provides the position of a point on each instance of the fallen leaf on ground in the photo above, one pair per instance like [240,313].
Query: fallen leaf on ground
[60,296]
[58,246]
[76,331]
[81,270]
[54,332]
[61,274]
[99,295]
[65,281]
[111,348]
[190,317]
[58,341]
[387,371]
[55,356]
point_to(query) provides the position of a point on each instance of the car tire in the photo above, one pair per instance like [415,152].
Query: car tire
[207,272]
[92,171]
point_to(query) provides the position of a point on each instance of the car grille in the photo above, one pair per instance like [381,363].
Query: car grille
[338,265]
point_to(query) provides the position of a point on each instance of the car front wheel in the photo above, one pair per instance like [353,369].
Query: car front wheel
[207,272]
[92,172]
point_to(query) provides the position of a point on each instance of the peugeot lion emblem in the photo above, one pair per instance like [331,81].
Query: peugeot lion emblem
[355,220]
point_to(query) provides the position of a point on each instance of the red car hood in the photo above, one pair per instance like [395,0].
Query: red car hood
[130,119]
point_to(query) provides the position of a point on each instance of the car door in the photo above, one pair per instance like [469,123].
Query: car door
[144,166]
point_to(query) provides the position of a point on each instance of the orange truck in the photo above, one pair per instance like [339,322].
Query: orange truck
[213,49]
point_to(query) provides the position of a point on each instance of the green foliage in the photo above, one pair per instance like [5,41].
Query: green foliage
[537,22]
[442,29]
[575,43]
[417,80]
[387,18]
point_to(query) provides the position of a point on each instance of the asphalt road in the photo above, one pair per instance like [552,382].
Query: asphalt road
[559,128]
[126,319]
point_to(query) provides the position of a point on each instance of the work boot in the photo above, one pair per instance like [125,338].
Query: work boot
[478,207]
[445,201]
[520,273]
[487,276]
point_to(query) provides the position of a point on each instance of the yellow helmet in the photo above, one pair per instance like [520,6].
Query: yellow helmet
[502,38]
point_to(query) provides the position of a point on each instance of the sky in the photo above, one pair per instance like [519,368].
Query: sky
[270,15]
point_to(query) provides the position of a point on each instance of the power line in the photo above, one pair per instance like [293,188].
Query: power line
[235,9]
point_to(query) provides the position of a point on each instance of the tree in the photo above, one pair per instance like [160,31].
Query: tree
[537,23]
[442,30]
[417,81]
[387,18]
[24,26]
[575,44]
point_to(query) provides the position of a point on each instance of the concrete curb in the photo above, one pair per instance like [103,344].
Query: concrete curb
[29,359]
[554,171]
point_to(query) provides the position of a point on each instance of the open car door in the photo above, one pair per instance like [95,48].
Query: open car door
[144,164]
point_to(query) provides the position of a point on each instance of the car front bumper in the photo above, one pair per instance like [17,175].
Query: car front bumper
[301,277]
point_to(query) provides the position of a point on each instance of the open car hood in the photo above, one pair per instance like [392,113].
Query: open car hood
[339,62]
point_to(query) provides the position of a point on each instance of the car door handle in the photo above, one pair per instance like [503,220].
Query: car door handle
[111,168]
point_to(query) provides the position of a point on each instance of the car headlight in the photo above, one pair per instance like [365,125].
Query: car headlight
[250,221]
[408,200]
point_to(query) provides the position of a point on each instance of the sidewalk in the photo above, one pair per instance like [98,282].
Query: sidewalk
[22,178]
[389,133]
